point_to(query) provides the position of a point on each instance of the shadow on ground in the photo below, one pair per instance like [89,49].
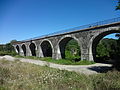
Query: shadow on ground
[107,60]
[101,69]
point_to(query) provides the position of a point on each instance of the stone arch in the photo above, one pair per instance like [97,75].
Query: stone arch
[18,49]
[24,49]
[47,48]
[62,43]
[32,47]
[95,40]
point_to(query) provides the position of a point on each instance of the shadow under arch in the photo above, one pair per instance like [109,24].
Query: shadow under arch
[63,42]
[46,48]
[97,39]
[18,49]
[24,49]
[33,49]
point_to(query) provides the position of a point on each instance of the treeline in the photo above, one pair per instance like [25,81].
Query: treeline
[108,50]
[7,49]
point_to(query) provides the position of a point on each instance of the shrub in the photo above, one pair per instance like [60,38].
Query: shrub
[2,53]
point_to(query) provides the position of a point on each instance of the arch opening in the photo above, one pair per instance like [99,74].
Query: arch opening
[46,49]
[24,49]
[18,49]
[70,49]
[33,49]
[106,48]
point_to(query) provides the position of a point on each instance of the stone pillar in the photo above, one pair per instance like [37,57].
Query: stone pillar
[40,52]
[21,51]
[56,53]
[91,53]
[15,48]
[84,54]
[86,51]
[28,52]
[37,49]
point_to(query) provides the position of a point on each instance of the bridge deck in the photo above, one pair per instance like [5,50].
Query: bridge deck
[78,29]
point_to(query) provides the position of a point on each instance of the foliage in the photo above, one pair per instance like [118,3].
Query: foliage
[108,51]
[26,76]
[102,50]
[7,53]
[72,50]
[13,41]
[109,48]
[70,56]
[7,49]
[118,6]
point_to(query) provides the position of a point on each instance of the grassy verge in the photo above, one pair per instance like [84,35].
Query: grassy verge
[24,76]
[2,53]
[60,61]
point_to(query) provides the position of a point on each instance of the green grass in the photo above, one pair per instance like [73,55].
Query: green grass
[26,76]
[2,53]
[60,61]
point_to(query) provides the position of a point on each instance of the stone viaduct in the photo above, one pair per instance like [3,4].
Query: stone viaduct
[53,45]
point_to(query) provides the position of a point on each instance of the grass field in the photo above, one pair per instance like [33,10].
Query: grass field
[24,76]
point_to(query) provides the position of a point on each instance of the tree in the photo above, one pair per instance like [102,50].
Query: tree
[7,49]
[13,41]
[118,6]
[72,50]
[118,36]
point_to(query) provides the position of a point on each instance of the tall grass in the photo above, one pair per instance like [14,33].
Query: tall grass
[25,76]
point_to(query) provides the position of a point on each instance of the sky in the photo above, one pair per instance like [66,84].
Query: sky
[24,19]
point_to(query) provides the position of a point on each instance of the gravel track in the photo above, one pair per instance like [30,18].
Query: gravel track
[83,69]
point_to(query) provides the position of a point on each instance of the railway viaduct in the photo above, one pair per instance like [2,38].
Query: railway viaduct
[53,45]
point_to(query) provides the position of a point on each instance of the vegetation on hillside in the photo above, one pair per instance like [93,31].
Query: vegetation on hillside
[108,49]
[7,49]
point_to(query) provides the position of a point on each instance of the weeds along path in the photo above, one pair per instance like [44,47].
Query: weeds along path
[84,69]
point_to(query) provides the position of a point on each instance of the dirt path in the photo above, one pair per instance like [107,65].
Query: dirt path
[85,69]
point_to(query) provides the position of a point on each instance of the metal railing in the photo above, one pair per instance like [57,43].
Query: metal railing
[100,23]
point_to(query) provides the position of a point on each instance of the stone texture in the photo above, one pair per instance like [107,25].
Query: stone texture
[87,39]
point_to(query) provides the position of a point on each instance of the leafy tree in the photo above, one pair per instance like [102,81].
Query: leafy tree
[118,6]
[13,41]
[116,54]
[118,36]
[102,50]
[7,49]
[72,50]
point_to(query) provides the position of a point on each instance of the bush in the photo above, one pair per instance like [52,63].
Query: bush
[2,53]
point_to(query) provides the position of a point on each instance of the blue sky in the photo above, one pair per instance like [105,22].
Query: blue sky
[24,19]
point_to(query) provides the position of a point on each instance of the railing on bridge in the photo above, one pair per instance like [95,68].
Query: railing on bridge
[110,21]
